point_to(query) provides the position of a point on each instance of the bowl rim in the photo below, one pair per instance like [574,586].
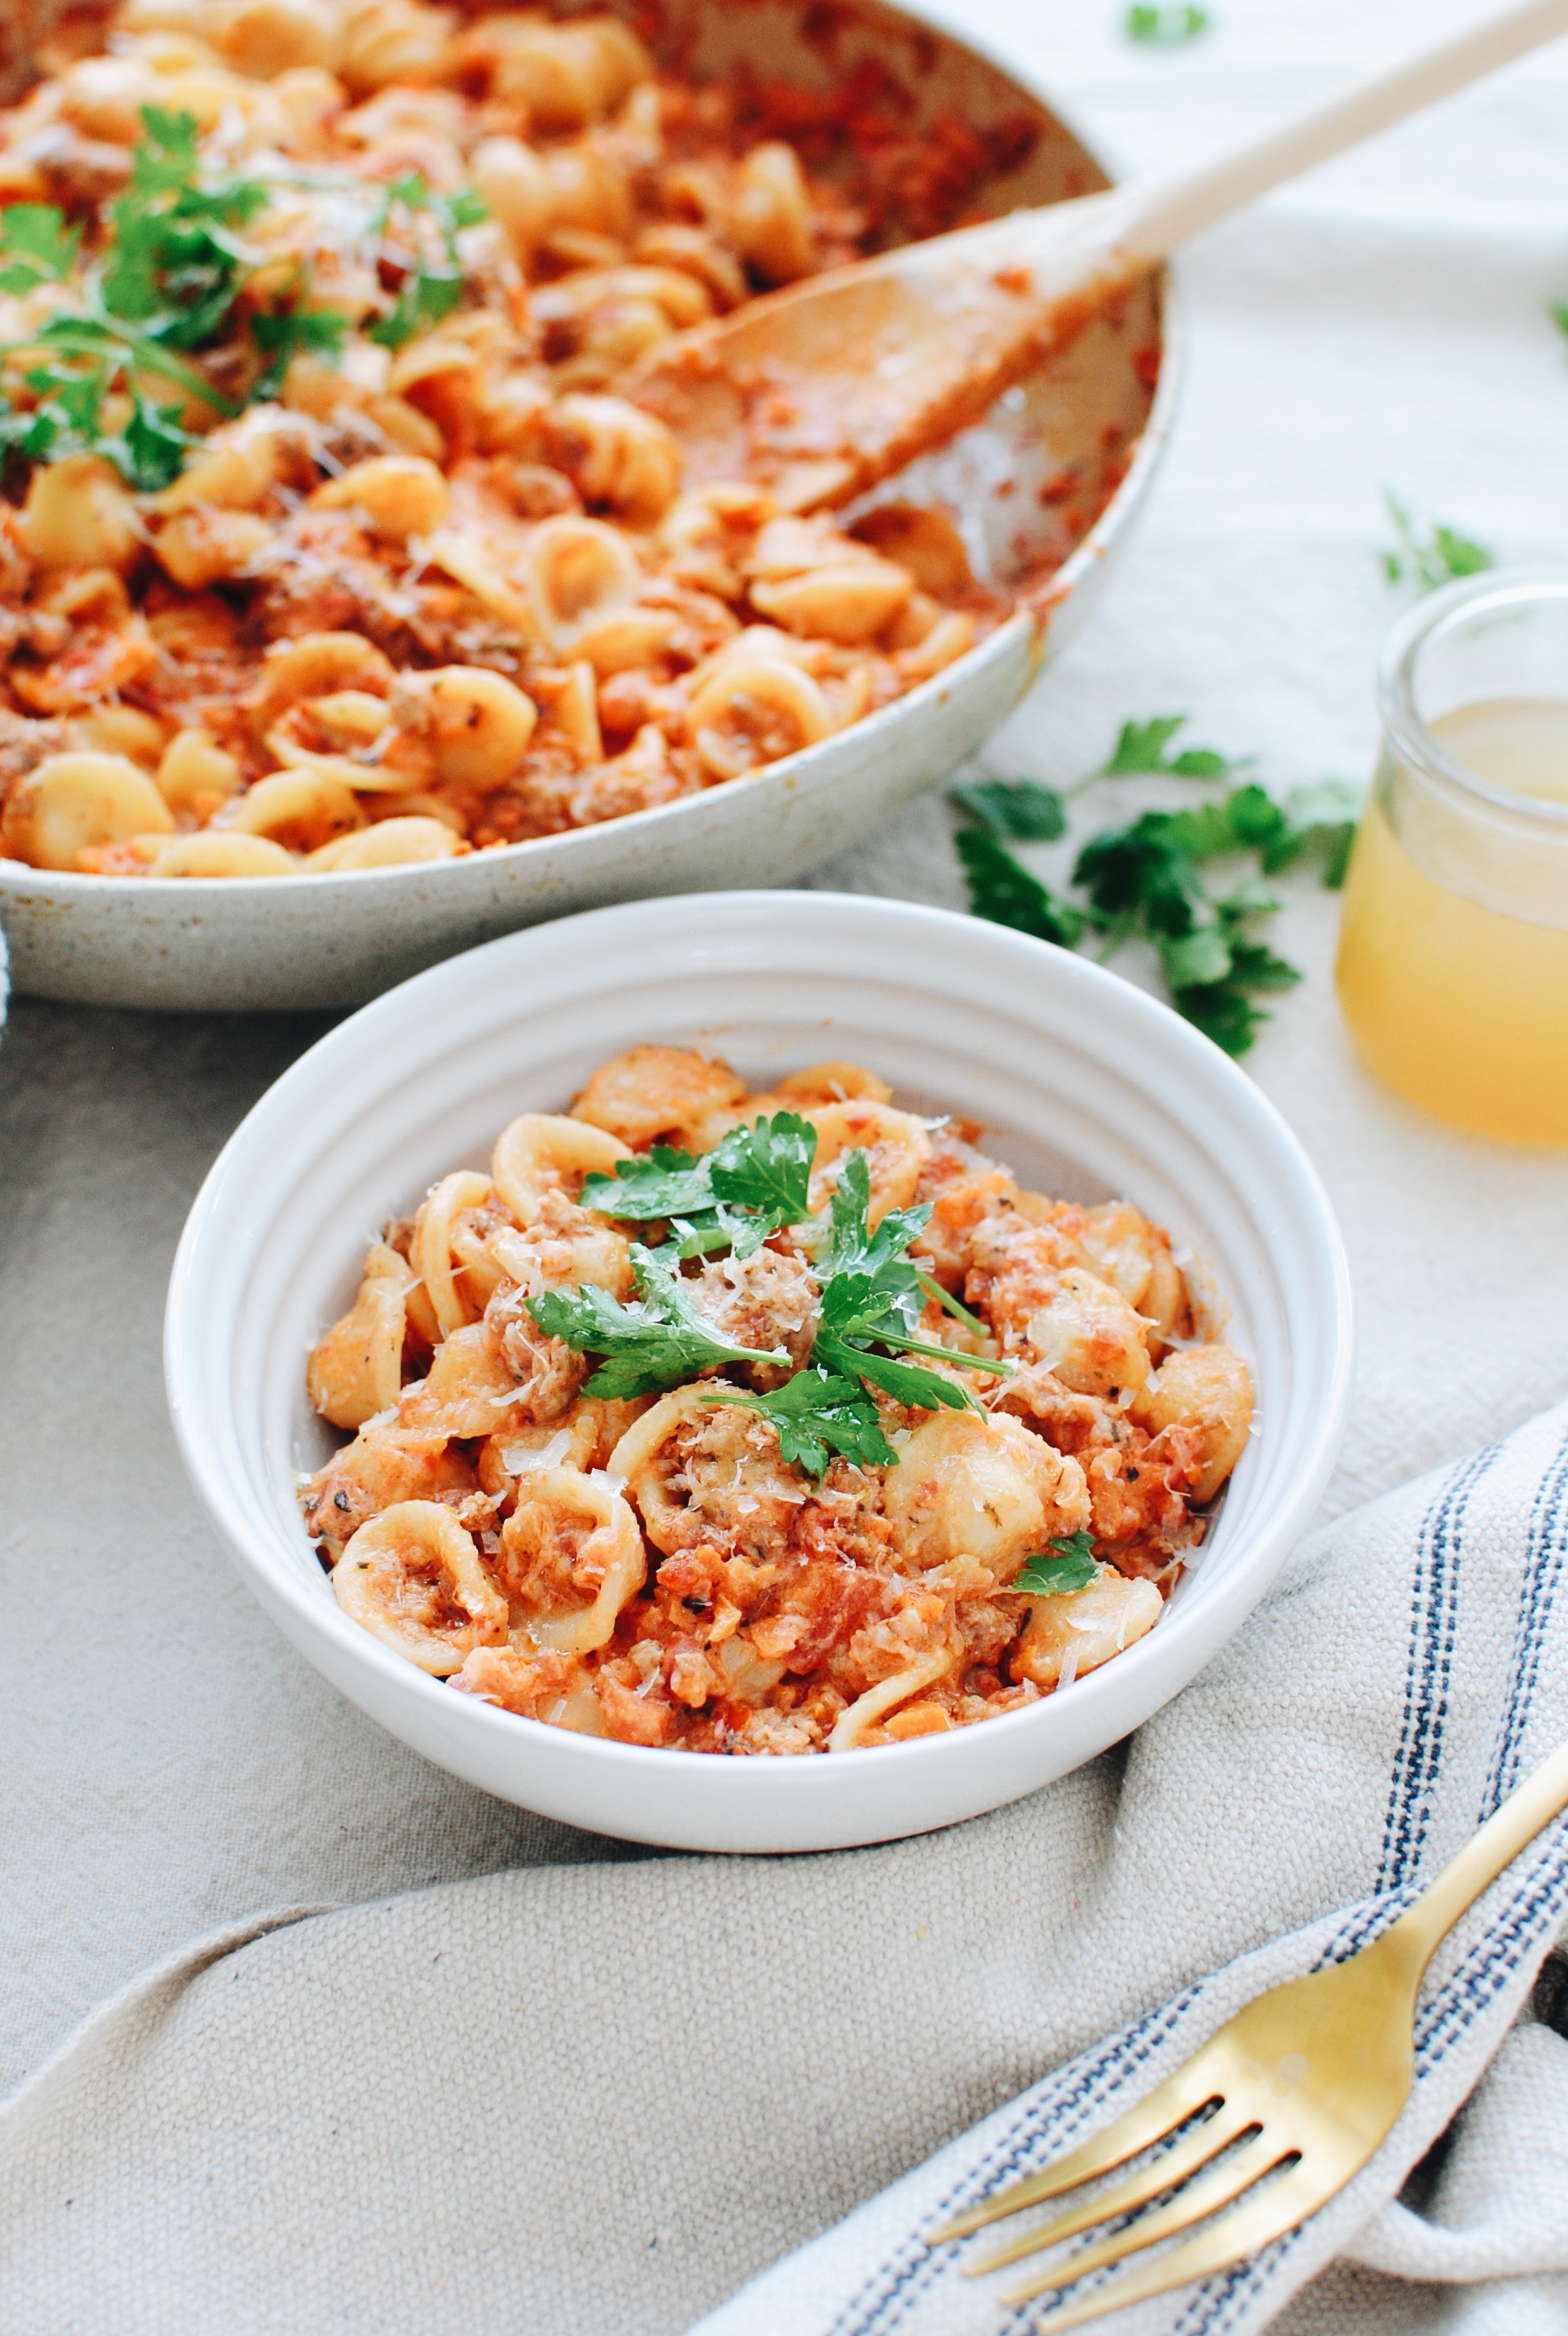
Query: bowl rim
[550,852]
[261,1554]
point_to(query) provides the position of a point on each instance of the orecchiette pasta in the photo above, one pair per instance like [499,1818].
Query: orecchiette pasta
[401,457]
[73,803]
[635,1453]
[413,1578]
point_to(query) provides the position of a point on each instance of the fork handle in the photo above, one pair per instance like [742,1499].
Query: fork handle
[1507,1831]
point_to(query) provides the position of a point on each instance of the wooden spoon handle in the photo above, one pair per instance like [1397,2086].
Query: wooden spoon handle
[1159,217]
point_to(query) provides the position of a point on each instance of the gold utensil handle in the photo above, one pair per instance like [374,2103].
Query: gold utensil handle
[1507,1831]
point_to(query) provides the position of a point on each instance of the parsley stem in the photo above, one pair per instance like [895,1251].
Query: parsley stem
[992,1363]
[950,1304]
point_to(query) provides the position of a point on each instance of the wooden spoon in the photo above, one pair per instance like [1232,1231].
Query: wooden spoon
[820,389]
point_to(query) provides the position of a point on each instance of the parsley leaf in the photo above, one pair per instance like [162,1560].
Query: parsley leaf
[950,1304]
[659,1343]
[1003,890]
[149,452]
[38,247]
[752,1183]
[1141,747]
[663,1182]
[1061,1567]
[905,1382]
[283,334]
[1432,557]
[169,283]
[1013,807]
[176,268]
[1165,27]
[817,1414]
[871,1295]
[852,1247]
[430,288]
[1320,819]
[767,1166]
[1144,879]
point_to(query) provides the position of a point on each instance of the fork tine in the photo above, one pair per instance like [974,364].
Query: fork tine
[1213,2187]
[1240,2231]
[1175,2164]
[1185,2091]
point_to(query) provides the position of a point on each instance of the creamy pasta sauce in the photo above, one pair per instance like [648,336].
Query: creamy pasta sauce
[855,1441]
[357,554]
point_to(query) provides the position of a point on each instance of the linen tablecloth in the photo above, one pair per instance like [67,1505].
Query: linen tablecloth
[171,1767]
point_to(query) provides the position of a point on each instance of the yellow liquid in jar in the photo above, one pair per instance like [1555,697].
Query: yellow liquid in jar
[1460,1008]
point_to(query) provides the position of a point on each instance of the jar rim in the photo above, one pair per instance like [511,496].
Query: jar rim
[1498,587]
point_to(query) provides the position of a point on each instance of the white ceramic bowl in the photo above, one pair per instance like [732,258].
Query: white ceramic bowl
[1089,1087]
[247,944]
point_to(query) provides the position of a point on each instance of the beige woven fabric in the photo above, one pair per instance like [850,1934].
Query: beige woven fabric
[597,2097]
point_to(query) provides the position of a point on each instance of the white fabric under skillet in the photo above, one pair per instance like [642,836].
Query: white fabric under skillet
[597,2099]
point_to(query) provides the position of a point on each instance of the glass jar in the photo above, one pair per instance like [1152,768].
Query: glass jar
[1453,966]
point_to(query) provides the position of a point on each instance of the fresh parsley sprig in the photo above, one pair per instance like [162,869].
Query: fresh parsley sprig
[1165,27]
[1003,890]
[1143,879]
[430,288]
[1141,747]
[872,1297]
[281,335]
[660,1342]
[818,1413]
[1060,1568]
[37,244]
[170,286]
[176,266]
[755,1180]
[1018,808]
[1430,555]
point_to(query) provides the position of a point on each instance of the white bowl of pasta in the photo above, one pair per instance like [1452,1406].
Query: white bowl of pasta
[407,629]
[928,1523]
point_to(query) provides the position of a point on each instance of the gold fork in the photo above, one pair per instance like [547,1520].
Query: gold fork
[1301,2085]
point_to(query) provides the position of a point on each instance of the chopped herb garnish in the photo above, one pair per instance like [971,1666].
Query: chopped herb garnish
[1165,27]
[1060,1568]
[167,288]
[817,1414]
[149,452]
[38,246]
[430,288]
[176,266]
[659,1342]
[663,1182]
[950,1304]
[905,1382]
[872,1296]
[755,1180]
[1432,556]
[284,334]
